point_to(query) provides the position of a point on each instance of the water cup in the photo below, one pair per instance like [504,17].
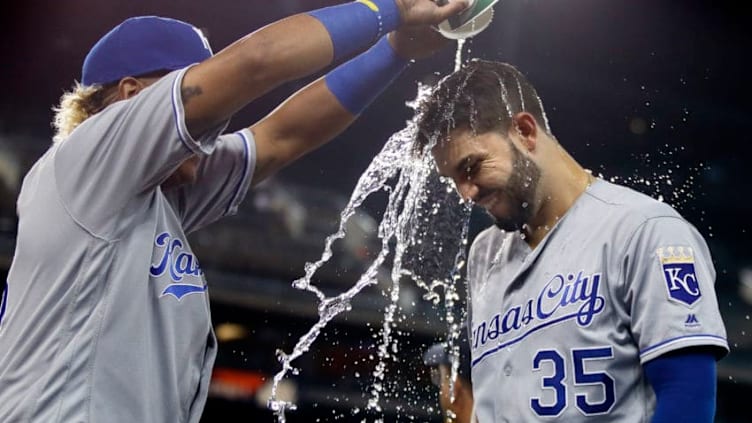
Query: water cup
[470,22]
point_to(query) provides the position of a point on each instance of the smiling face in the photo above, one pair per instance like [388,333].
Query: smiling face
[491,171]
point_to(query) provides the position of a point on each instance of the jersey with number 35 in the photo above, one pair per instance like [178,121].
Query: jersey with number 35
[562,331]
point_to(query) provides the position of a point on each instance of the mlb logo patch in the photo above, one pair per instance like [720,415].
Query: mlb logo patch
[678,266]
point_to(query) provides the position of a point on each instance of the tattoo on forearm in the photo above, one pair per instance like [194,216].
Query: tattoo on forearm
[190,92]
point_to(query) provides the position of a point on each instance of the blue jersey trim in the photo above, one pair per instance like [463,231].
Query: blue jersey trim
[658,345]
[3,300]
[177,113]
[246,165]
[523,336]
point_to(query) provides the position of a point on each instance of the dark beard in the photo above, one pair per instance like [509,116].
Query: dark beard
[521,189]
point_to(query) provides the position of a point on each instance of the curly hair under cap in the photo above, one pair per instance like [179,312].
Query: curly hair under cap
[482,96]
[77,105]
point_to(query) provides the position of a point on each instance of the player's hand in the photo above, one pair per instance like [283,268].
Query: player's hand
[428,12]
[417,42]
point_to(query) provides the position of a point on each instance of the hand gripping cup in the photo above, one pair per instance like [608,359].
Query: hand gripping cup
[470,22]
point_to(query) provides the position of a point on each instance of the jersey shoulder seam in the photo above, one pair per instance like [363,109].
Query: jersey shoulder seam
[64,203]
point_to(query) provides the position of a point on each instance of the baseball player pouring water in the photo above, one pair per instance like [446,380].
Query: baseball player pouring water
[105,315]
[588,301]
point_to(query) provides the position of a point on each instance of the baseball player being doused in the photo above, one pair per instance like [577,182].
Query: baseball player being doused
[105,315]
[589,302]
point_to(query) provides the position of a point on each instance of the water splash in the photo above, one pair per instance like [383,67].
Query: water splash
[417,200]
[458,55]
[665,176]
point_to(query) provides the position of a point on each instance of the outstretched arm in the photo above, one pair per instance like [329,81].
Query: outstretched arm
[292,48]
[319,112]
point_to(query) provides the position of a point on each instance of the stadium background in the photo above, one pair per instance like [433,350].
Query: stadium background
[637,90]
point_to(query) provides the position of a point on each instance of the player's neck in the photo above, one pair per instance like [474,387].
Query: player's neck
[560,189]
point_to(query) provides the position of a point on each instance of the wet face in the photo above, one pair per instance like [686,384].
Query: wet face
[186,173]
[492,172]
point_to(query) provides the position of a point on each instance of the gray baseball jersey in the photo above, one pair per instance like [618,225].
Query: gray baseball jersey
[561,331]
[106,313]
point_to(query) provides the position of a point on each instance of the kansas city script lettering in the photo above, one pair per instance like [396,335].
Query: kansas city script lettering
[562,298]
[174,260]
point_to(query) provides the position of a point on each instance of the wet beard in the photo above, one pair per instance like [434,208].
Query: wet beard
[521,189]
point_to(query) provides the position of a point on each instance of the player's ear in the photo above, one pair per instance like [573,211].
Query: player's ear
[128,87]
[527,129]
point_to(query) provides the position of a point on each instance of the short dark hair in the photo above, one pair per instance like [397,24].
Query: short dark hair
[482,96]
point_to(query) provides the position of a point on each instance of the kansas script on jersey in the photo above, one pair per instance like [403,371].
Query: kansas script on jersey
[175,259]
[570,296]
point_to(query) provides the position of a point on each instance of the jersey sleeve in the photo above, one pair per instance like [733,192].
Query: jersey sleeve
[124,152]
[223,180]
[669,283]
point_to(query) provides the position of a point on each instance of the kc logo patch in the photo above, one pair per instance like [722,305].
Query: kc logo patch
[678,265]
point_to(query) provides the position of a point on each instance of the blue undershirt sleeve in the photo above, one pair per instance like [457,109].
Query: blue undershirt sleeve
[358,82]
[685,386]
[356,25]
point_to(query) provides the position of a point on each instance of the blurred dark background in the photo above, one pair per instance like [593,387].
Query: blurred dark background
[651,93]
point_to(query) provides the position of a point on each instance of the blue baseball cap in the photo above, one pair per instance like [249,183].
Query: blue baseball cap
[438,354]
[142,45]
